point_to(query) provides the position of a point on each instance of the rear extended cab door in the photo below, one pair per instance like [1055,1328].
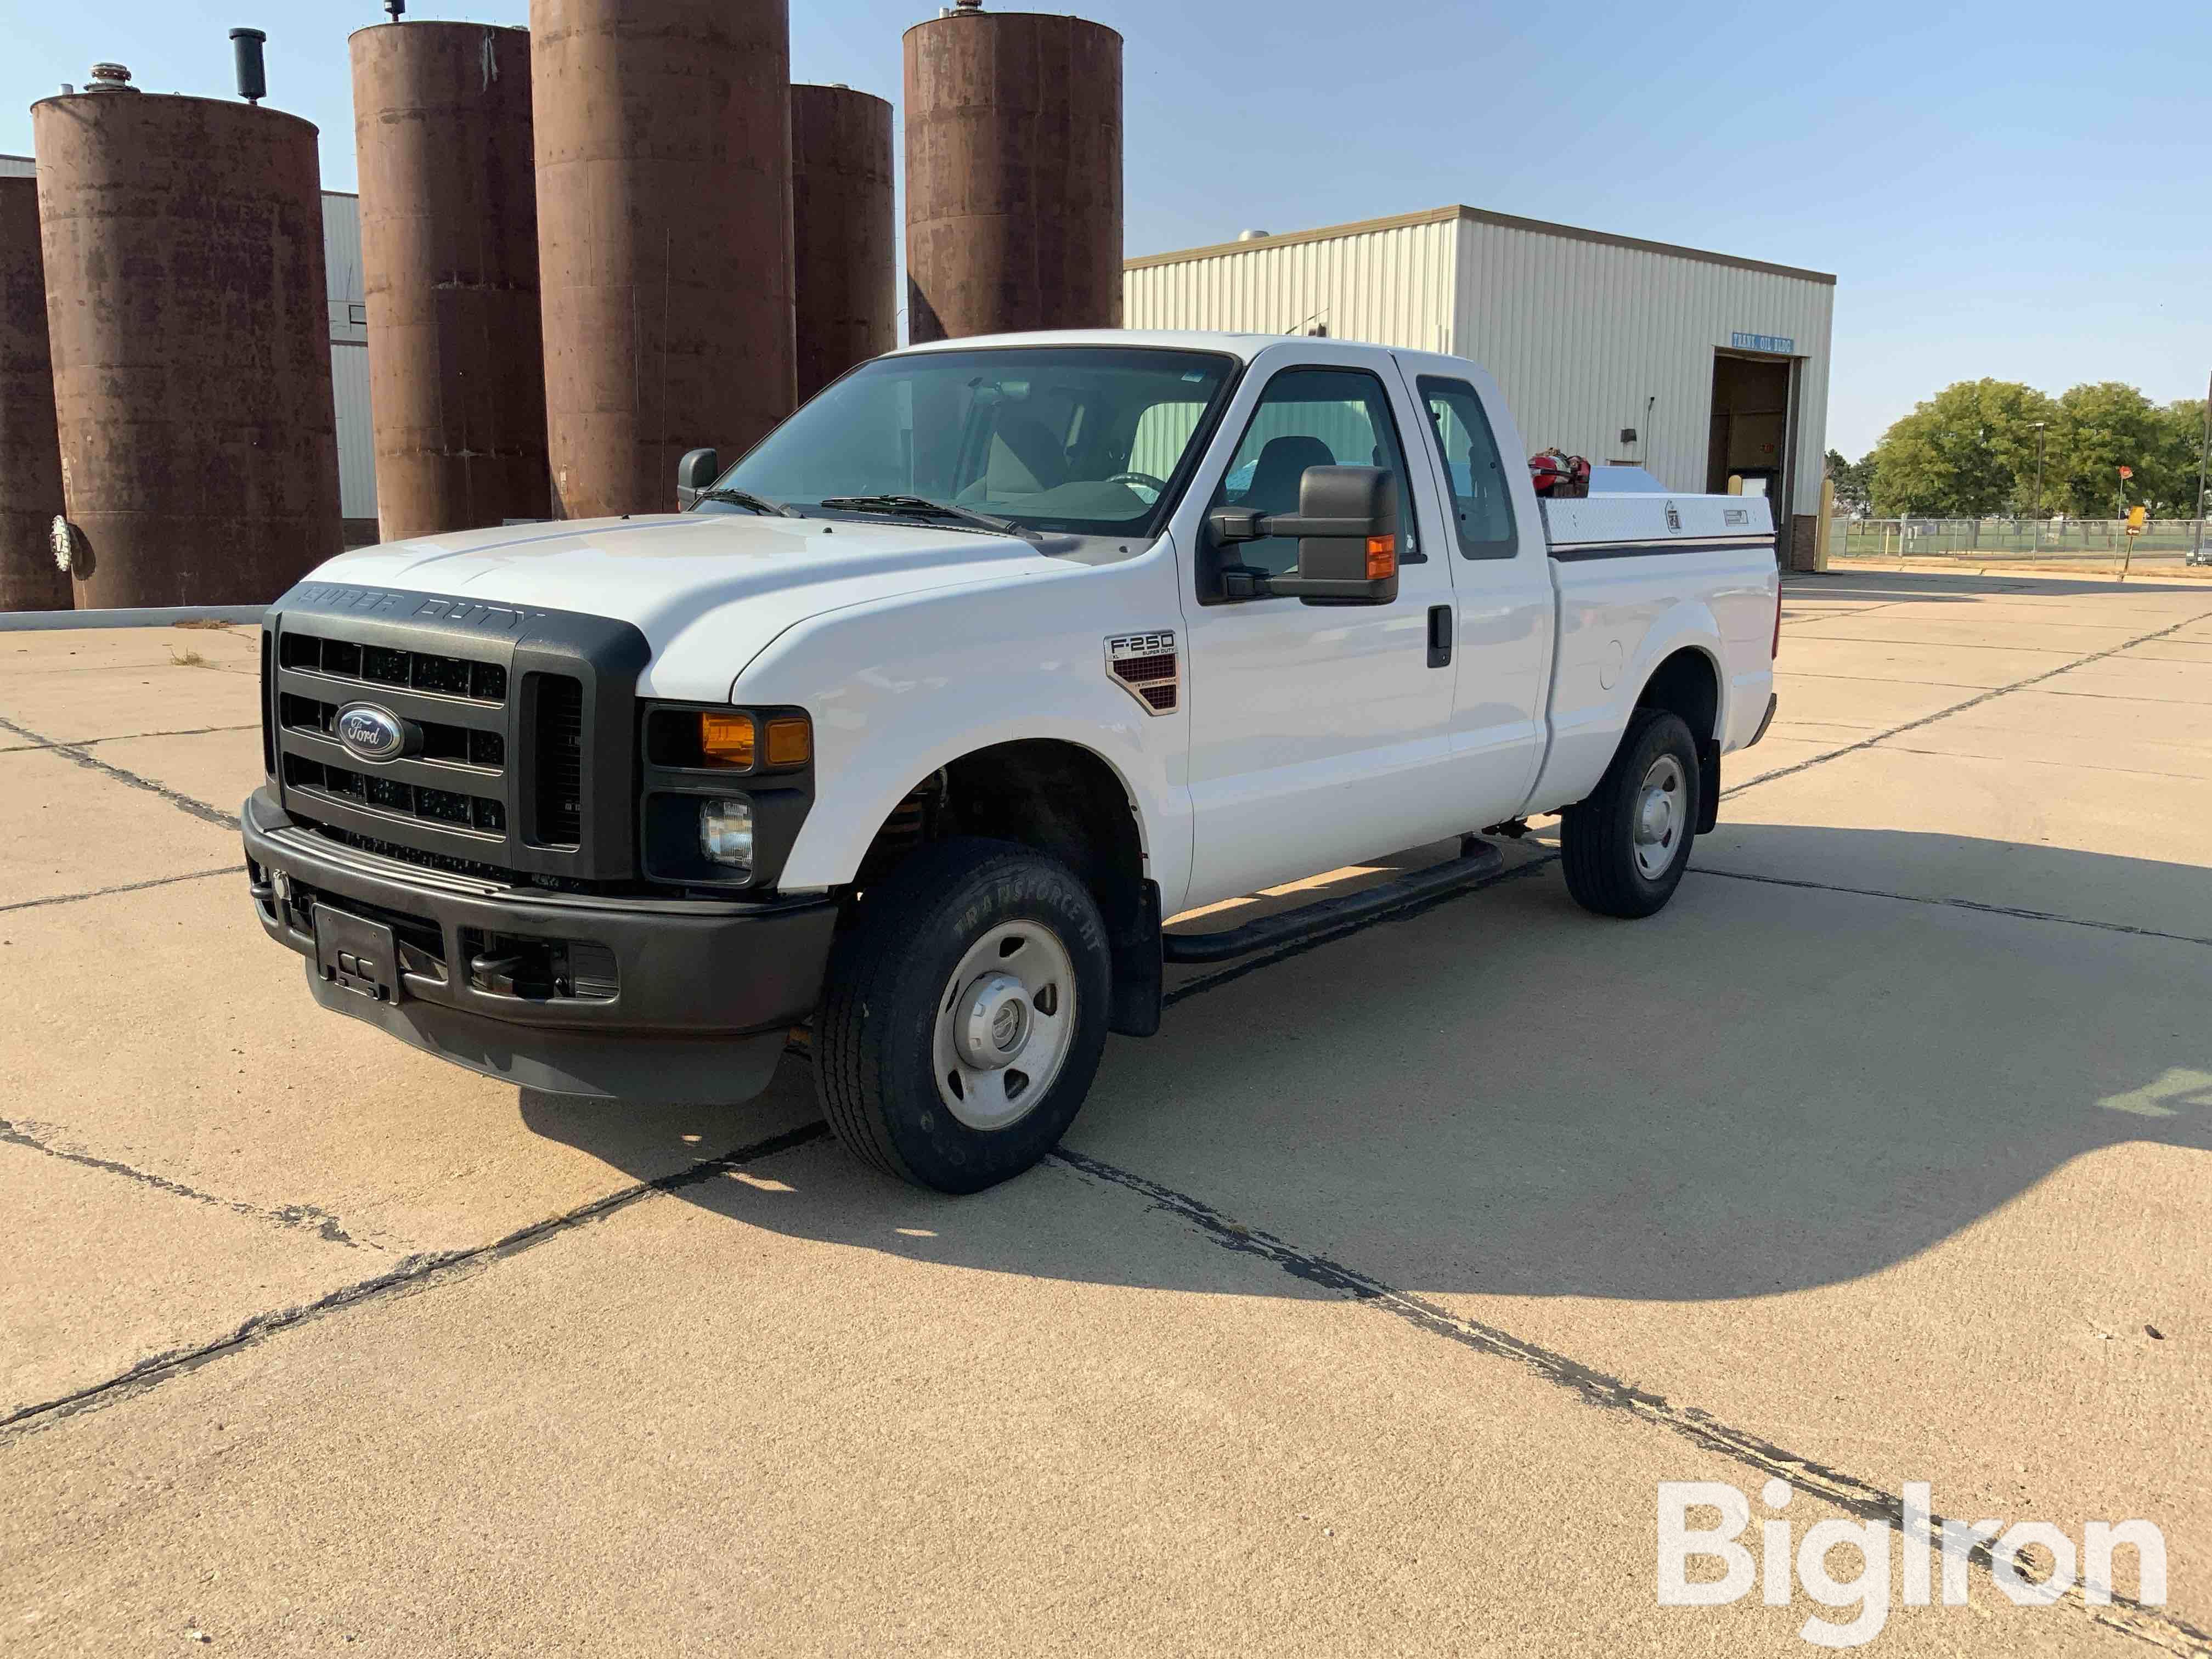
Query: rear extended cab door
[1501,581]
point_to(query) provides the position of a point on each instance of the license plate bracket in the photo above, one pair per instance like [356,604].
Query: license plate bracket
[356,954]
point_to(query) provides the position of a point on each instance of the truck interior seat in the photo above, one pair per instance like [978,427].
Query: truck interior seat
[1282,467]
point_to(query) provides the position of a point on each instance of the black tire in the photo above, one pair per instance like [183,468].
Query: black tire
[1598,845]
[875,1035]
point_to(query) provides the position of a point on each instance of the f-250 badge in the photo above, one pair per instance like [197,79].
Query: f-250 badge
[1147,667]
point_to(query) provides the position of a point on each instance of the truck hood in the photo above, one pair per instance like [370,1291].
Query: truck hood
[708,590]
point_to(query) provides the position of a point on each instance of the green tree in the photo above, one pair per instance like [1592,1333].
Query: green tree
[1966,452]
[1854,480]
[2104,426]
[2185,446]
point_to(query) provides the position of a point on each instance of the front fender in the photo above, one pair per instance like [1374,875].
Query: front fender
[899,689]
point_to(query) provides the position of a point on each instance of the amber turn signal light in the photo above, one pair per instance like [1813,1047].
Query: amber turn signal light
[790,741]
[726,739]
[1382,557]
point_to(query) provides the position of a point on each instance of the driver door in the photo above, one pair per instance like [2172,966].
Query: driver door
[1320,732]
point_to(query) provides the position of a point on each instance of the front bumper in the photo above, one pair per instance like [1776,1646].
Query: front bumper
[673,999]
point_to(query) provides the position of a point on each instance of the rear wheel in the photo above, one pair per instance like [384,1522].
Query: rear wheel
[963,1016]
[1624,848]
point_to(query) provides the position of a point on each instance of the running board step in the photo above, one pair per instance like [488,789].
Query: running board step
[1478,860]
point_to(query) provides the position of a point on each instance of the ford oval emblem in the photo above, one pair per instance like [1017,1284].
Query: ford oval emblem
[370,732]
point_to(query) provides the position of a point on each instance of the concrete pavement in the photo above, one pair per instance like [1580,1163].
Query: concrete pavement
[1365,1310]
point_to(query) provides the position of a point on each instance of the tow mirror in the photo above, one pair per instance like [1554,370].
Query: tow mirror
[695,475]
[1347,527]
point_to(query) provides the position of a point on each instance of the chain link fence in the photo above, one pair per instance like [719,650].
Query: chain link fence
[2097,542]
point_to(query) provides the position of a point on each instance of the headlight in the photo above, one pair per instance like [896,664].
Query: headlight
[725,832]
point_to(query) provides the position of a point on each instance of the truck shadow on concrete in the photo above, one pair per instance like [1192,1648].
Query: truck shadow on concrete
[1764,1089]
[1874,581]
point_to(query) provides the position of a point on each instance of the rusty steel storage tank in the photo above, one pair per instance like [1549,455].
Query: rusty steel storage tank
[449,259]
[192,339]
[664,238]
[30,452]
[1013,173]
[843,223]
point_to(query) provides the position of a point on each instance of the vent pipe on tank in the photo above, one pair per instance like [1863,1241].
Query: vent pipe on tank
[397,8]
[252,74]
[110,78]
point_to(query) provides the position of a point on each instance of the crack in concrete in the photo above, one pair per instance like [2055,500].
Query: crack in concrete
[127,887]
[421,1270]
[38,1138]
[1959,708]
[121,737]
[84,758]
[1595,1388]
[2020,911]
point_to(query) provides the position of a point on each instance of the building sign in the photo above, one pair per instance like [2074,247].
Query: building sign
[1780,344]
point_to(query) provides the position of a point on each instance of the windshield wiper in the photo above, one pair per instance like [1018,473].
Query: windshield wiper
[921,506]
[746,498]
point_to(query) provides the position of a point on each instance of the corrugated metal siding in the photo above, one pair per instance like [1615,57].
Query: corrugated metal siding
[357,436]
[1580,333]
[1583,335]
[1392,287]
[348,296]
[341,262]
[18,167]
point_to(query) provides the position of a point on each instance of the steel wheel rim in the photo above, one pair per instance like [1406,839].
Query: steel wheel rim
[1662,811]
[1006,1022]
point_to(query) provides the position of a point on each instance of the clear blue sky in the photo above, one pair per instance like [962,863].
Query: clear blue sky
[2020,190]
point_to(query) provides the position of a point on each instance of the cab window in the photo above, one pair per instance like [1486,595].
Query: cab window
[1482,508]
[1308,417]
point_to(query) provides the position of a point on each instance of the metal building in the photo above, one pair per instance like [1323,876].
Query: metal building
[844,231]
[185,288]
[30,450]
[1700,367]
[664,237]
[448,229]
[1013,173]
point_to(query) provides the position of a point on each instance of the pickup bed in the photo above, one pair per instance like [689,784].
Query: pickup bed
[916,722]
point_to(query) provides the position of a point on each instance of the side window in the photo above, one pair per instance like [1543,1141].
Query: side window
[1310,417]
[1473,468]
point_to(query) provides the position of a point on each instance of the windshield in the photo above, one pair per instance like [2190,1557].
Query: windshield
[1084,441]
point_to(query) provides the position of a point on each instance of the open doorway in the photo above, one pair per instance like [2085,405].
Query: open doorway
[1755,406]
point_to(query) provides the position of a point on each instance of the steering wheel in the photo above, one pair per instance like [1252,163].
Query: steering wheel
[1157,486]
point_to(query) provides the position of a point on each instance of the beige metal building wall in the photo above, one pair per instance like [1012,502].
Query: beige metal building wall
[1387,281]
[1584,331]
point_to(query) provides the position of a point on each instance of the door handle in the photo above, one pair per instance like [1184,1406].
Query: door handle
[1440,635]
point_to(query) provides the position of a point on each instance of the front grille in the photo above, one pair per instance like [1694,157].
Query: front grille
[560,759]
[268,731]
[480,813]
[519,762]
[412,671]
[456,745]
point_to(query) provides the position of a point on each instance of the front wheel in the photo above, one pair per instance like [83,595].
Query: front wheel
[1624,848]
[963,1016]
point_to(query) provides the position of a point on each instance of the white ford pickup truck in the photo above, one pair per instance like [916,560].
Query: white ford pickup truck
[917,721]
